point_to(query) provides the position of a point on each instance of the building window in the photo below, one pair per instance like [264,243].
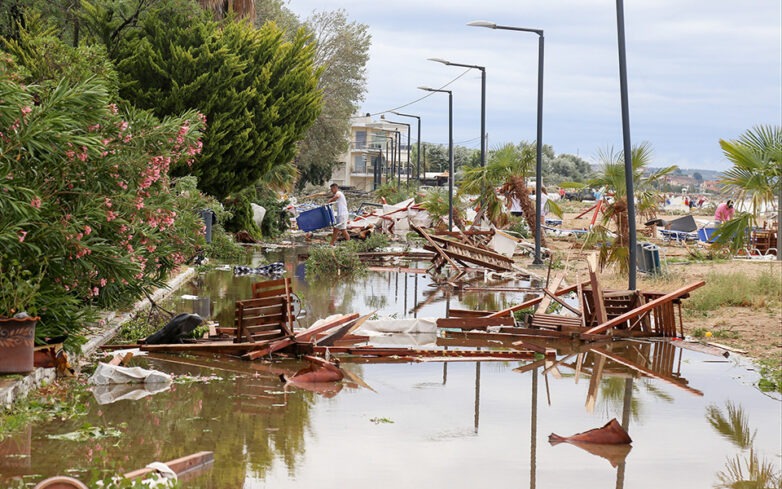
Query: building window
[361,140]
[359,164]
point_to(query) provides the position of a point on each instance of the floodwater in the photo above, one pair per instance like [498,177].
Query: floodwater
[695,419]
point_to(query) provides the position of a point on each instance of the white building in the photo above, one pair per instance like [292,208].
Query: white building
[379,151]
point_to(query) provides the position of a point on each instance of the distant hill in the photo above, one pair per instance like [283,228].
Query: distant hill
[706,174]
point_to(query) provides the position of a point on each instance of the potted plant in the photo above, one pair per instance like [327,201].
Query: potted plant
[19,289]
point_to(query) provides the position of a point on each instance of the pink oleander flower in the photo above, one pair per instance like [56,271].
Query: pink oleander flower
[22,234]
[36,203]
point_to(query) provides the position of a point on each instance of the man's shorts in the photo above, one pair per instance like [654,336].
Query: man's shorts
[341,222]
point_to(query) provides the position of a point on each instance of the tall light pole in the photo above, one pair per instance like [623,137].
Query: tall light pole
[450,151]
[628,151]
[399,180]
[539,162]
[483,101]
[398,136]
[418,155]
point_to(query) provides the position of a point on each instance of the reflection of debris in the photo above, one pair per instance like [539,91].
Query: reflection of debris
[610,433]
[107,394]
[183,468]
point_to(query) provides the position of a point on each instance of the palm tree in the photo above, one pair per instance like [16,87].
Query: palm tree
[612,178]
[508,168]
[756,175]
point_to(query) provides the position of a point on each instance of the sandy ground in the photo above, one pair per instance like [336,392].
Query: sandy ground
[757,331]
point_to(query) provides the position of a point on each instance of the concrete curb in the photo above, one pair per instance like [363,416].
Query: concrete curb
[18,387]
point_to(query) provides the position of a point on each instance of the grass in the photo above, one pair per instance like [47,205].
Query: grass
[771,376]
[735,289]
[140,326]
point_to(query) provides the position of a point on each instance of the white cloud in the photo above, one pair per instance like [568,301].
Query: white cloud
[698,71]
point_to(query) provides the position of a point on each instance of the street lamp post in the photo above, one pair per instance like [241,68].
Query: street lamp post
[628,151]
[539,161]
[418,155]
[398,167]
[450,151]
[399,170]
[483,101]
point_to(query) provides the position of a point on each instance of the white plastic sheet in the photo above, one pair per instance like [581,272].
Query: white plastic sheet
[107,374]
[392,325]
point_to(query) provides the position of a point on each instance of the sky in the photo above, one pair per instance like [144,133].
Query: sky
[697,71]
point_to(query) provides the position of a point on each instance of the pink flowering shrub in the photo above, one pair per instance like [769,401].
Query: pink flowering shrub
[86,199]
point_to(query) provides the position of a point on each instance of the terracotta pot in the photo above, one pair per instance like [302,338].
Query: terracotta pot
[17,338]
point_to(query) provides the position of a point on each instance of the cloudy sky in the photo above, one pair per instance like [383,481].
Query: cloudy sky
[698,71]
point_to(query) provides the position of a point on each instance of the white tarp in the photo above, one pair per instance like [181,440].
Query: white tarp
[392,325]
[107,374]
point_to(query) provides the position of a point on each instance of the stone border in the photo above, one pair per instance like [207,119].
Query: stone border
[15,387]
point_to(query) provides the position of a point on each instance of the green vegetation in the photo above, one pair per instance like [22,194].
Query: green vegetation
[756,176]
[615,214]
[395,194]
[259,103]
[771,376]
[735,289]
[62,400]
[333,261]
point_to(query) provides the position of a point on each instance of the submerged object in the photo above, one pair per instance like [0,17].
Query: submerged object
[611,433]
[272,269]
[610,442]
[318,371]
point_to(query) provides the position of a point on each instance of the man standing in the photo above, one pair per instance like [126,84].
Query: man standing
[724,212]
[341,218]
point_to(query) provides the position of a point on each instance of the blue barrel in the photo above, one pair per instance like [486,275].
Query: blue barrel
[315,219]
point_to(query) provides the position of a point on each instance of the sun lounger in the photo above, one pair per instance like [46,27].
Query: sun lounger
[678,236]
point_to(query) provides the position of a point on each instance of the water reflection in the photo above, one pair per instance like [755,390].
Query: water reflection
[454,425]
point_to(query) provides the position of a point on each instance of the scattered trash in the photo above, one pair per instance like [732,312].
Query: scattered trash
[179,328]
[272,269]
[107,374]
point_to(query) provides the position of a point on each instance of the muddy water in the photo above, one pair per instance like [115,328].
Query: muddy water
[430,424]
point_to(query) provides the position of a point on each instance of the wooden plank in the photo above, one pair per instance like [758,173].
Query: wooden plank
[264,327]
[215,346]
[530,303]
[303,336]
[179,466]
[338,333]
[261,302]
[467,313]
[605,325]
[426,353]
[475,322]
[267,285]
[262,320]
[435,246]
[546,300]
[597,293]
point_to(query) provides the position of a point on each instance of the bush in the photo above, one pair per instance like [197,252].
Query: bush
[329,261]
[89,194]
